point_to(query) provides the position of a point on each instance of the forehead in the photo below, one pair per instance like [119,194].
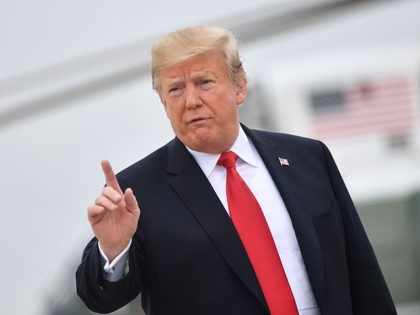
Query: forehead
[200,65]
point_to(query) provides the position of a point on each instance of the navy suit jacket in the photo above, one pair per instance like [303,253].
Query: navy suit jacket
[187,258]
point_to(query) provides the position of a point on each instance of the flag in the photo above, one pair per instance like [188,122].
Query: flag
[380,106]
[283,162]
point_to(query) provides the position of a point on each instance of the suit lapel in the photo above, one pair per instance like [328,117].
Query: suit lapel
[290,183]
[192,186]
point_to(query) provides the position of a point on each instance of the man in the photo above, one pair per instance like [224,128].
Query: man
[191,249]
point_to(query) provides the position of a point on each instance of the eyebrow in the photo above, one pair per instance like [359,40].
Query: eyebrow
[172,82]
[201,74]
[193,76]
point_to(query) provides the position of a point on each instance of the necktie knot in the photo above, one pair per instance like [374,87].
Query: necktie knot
[228,159]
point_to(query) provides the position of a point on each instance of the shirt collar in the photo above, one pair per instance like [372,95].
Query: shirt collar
[242,147]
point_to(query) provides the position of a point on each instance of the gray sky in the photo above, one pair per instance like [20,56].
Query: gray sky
[39,33]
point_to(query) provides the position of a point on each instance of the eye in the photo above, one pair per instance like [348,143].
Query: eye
[206,83]
[176,90]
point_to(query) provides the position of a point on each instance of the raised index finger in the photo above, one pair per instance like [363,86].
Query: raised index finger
[110,178]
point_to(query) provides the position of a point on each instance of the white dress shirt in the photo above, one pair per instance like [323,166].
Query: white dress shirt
[252,169]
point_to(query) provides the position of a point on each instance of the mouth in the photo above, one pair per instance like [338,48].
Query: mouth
[197,120]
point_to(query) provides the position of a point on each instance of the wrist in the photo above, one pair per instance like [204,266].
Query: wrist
[112,252]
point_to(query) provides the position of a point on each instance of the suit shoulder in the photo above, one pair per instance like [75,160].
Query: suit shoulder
[288,139]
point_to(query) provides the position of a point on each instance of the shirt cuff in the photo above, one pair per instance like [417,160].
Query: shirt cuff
[118,268]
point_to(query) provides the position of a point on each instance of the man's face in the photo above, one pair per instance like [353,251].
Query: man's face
[202,102]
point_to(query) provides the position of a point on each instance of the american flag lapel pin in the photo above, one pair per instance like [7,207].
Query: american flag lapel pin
[283,162]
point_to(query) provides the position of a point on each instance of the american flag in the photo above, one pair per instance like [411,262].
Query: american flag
[381,106]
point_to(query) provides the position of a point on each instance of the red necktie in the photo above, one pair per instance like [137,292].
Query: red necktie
[256,237]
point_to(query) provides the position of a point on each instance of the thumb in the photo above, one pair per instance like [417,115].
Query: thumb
[131,201]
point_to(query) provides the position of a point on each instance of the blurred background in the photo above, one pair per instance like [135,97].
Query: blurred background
[75,88]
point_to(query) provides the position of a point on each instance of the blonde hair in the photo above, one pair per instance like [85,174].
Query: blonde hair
[186,43]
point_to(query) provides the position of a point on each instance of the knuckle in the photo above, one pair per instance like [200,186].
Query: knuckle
[99,199]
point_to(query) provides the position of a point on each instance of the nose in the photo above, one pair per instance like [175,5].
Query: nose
[192,98]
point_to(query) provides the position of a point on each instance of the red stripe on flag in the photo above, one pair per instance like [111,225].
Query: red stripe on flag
[385,106]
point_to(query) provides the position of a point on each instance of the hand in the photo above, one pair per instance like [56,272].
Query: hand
[114,215]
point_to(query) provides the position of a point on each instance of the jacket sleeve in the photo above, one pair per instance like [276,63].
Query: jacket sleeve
[369,292]
[100,295]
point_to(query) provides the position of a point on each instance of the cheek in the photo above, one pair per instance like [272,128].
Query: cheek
[229,111]
[174,114]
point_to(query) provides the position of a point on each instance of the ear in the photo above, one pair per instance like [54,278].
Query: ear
[241,92]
